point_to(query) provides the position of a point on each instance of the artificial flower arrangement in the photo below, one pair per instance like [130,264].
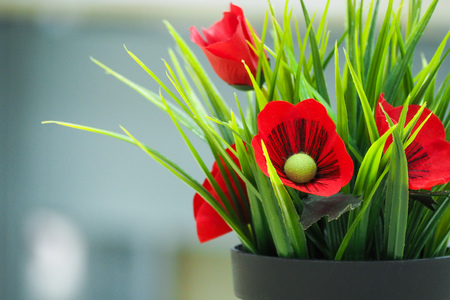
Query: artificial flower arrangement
[292,177]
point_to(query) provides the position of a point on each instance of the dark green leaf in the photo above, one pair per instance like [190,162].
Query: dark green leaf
[425,200]
[316,207]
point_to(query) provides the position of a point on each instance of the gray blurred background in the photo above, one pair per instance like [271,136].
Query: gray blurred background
[84,216]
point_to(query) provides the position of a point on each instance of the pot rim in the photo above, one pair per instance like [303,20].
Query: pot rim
[239,249]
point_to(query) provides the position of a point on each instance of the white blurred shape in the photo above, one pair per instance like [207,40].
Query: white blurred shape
[56,265]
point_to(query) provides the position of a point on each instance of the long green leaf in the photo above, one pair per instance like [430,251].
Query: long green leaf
[368,197]
[367,42]
[173,168]
[221,109]
[317,61]
[396,206]
[342,117]
[182,116]
[429,75]
[298,96]
[234,213]
[367,110]
[278,61]
[397,74]
[273,215]
[369,170]
[186,85]
[429,225]
[375,74]
[289,214]
[218,208]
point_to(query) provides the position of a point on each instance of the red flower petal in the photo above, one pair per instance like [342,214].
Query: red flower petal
[276,112]
[428,164]
[428,156]
[240,14]
[210,224]
[433,129]
[230,71]
[306,127]
[223,30]
[197,38]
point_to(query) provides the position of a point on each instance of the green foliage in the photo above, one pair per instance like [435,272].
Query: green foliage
[373,217]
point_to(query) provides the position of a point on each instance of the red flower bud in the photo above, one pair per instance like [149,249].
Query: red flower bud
[226,46]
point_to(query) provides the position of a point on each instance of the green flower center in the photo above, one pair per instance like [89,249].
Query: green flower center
[300,168]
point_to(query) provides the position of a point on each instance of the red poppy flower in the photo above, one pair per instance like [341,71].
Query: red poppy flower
[210,224]
[226,46]
[428,155]
[303,146]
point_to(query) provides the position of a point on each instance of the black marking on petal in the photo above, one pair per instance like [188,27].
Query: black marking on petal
[299,132]
[329,167]
[416,158]
[279,146]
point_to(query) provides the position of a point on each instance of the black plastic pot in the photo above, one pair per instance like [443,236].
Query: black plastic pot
[263,277]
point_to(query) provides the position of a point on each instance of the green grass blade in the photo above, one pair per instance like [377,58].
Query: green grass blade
[408,81]
[330,55]
[442,102]
[397,196]
[397,74]
[273,216]
[282,84]
[220,107]
[368,197]
[375,74]
[428,226]
[290,218]
[425,82]
[186,86]
[368,36]
[367,110]
[235,214]
[238,228]
[298,95]
[342,117]
[369,170]
[193,105]
[182,116]
[317,61]
[173,168]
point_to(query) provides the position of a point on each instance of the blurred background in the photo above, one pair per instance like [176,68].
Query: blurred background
[84,216]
